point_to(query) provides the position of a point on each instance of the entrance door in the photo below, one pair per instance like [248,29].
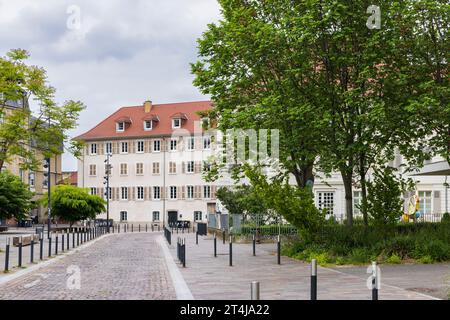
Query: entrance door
[172,218]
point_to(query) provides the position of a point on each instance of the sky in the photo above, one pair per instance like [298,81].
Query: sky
[109,53]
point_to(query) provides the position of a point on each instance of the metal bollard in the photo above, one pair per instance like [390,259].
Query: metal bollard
[8,240]
[196,238]
[20,251]
[254,245]
[85,234]
[215,245]
[73,239]
[32,250]
[41,246]
[279,250]
[56,244]
[118,228]
[132,227]
[313,279]
[146,230]
[139,227]
[223,236]
[62,241]
[374,281]
[153,227]
[254,290]
[50,246]
[231,251]
[78,237]
[184,253]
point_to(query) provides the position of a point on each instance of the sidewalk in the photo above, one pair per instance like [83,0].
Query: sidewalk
[212,278]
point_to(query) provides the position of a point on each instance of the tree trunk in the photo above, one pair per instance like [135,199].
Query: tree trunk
[362,177]
[347,179]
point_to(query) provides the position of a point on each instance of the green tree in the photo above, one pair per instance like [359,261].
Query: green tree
[74,203]
[15,198]
[19,128]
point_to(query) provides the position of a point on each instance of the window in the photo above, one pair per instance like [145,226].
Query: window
[190,143]
[93,191]
[140,146]
[206,191]
[173,192]
[21,174]
[123,169]
[108,148]
[156,193]
[176,123]
[140,193]
[32,178]
[173,144]
[155,168]
[124,148]
[93,148]
[156,145]
[155,215]
[190,167]
[197,215]
[325,200]
[206,143]
[425,200]
[92,170]
[120,127]
[124,193]
[139,168]
[123,216]
[172,167]
[190,192]
[357,202]
[148,125]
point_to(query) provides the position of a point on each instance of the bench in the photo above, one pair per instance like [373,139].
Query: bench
[26,240]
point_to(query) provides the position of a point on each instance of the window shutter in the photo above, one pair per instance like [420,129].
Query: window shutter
[213,192]
[133,193]
[183,169]
[198,143]
[118,193]
[100,148]
[437,202]
[115,147]
[101,193]
[86,150]
[147,146]
[131,146]
[183,192]
[180,144]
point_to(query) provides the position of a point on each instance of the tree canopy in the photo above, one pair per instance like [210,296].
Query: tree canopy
[15,198]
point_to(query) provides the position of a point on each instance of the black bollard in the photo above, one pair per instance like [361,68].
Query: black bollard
[118,228]
[254,245]
[152,227]
[56,245]
[50,246]
[62,241]
[85,234]
[279,250]
[7,254]
[231,251]
[196,238]
[183,251]
[73,239]
[41,246]
[32,250]
[374,281]
[20,251]
[146,228]
[132,227]
[139,227]
[215,245]
[313,279]
[68,239]
[223,236]
[78,237]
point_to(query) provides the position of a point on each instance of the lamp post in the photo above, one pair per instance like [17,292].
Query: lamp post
[49,225]
[107,193]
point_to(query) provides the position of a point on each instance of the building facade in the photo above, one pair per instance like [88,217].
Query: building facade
[157,159]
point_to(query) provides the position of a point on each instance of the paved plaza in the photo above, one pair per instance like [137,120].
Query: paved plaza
[143,266]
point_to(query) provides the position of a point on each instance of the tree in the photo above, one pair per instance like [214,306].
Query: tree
[15,198]
[19,128]
[73,204]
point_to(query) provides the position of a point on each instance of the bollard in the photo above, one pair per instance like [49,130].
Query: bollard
[231,251]
[73,239]
[254,290]
[50,246]
[223,236]
[279,250]
[68,239]
[85,234]
[196,238]
[159,228]
[254,245]
[56,245]
[118,228]
[184,253]
[32,251]
[20,251]
[132,229]
[41,246]
[7,254]
[153,227]
[374,281]
[313,279]
[62,241]
[139,227]
[146,230]
[215,245]
[78,237]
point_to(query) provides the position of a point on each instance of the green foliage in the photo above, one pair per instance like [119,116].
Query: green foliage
[270,230]
[22,82]
[15,198]
[74,204]
[394,259]
[241,200]
[384,199]
[446,218]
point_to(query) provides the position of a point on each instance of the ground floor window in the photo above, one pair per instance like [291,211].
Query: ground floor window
[123,216]
[425,199]
[155,215]
[357,202]
[325,200]
[197,215]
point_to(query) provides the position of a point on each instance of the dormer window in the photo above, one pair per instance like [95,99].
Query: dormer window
[148,125]
[176,123]
[120,127]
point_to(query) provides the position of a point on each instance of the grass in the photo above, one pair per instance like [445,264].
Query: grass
[340,245]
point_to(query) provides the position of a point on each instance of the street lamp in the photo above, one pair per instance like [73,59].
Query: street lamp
[47,174]
[106,181]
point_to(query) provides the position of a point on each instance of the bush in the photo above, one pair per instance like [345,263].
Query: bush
[446,218]
[426,260]
[436,249]
[394,259]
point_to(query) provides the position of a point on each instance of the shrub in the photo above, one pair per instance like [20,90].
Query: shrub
[436,249]
[446,218]
[426,260]
[394,259]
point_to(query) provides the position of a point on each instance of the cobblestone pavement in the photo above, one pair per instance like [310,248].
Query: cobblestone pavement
[213,278]
[117,266]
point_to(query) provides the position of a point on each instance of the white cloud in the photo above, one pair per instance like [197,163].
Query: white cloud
[124,52]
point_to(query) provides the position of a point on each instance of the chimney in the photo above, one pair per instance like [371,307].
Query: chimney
[148,106]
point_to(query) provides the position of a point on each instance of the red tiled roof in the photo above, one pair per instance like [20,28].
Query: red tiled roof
[107,128]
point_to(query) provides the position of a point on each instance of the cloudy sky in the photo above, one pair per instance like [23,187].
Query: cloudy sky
[114,53]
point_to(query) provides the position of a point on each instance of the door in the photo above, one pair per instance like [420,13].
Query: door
[172,217]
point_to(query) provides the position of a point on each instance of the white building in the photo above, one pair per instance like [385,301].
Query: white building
[157,162]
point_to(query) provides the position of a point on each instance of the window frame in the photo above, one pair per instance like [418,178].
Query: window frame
[120,124]
[145,125]
[158,142]
[122,144]
[173,192]
[179,123]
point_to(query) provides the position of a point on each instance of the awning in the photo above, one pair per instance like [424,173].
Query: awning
[441,168]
